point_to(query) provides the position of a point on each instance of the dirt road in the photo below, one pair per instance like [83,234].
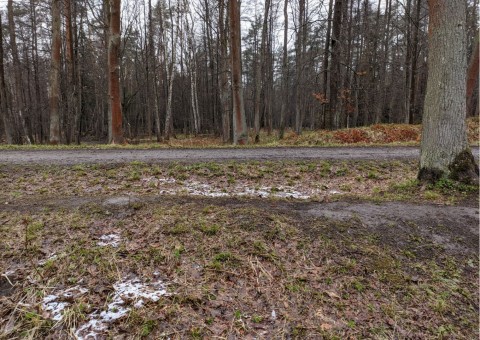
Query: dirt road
[69,157]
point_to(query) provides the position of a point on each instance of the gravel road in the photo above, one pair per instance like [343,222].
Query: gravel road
[90,156]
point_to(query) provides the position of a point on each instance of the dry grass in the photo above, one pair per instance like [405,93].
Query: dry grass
[229,268]
[321,181]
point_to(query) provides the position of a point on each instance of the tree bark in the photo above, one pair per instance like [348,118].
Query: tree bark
[55,74]
[18,93]
[223,77]
[472,81]
[260,71]
[300,40]
[114,73]
[285,101]
[4,106]
[335,64]
[240,133]
[444,148]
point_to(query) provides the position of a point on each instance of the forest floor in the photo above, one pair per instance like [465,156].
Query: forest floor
[304,249]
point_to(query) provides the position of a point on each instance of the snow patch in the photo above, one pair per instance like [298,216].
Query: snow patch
[202,189]
[126,292]
[112,240]
[55,304]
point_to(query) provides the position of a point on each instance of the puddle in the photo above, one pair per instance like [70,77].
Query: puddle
[55,304]
[128,294]
[111,240]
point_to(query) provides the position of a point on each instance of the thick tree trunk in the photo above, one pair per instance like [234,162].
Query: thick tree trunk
[240,133]
[55,74]
[444,148]
[114,73]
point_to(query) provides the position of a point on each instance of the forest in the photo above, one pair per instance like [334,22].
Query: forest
[302,65]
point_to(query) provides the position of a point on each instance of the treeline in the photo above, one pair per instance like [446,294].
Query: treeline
[303,65]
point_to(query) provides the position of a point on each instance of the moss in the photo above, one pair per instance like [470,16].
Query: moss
[428,175]
[464,168]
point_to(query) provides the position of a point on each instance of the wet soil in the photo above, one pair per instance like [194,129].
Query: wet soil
[422,228]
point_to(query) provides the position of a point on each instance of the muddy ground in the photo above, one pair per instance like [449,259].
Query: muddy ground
[399,261]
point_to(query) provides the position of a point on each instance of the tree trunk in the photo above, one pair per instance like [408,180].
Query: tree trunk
[260,71]
[223,77]
[55,74]
[299,65]
[114,73]
[18,93]
[413,72]
[4,106]
[335,64]
[444,148]
[170,78]
[284,108]
[472,81]
[325,67]
[240,133]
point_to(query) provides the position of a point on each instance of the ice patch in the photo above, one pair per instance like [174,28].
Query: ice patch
[130,291]
[54,305]
[112,240]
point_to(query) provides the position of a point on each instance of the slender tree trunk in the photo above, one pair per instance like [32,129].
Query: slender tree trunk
[55,74]
[472,81]
[285,93]
[408,60]
[240,133]
[383,73]
[114,73]
[299,66]
[413,72]
[19,99]
[444,148]
[72,103]
[335,65]
[326,70]
[223,77]
[260,71]
[4,105]
[170,78]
